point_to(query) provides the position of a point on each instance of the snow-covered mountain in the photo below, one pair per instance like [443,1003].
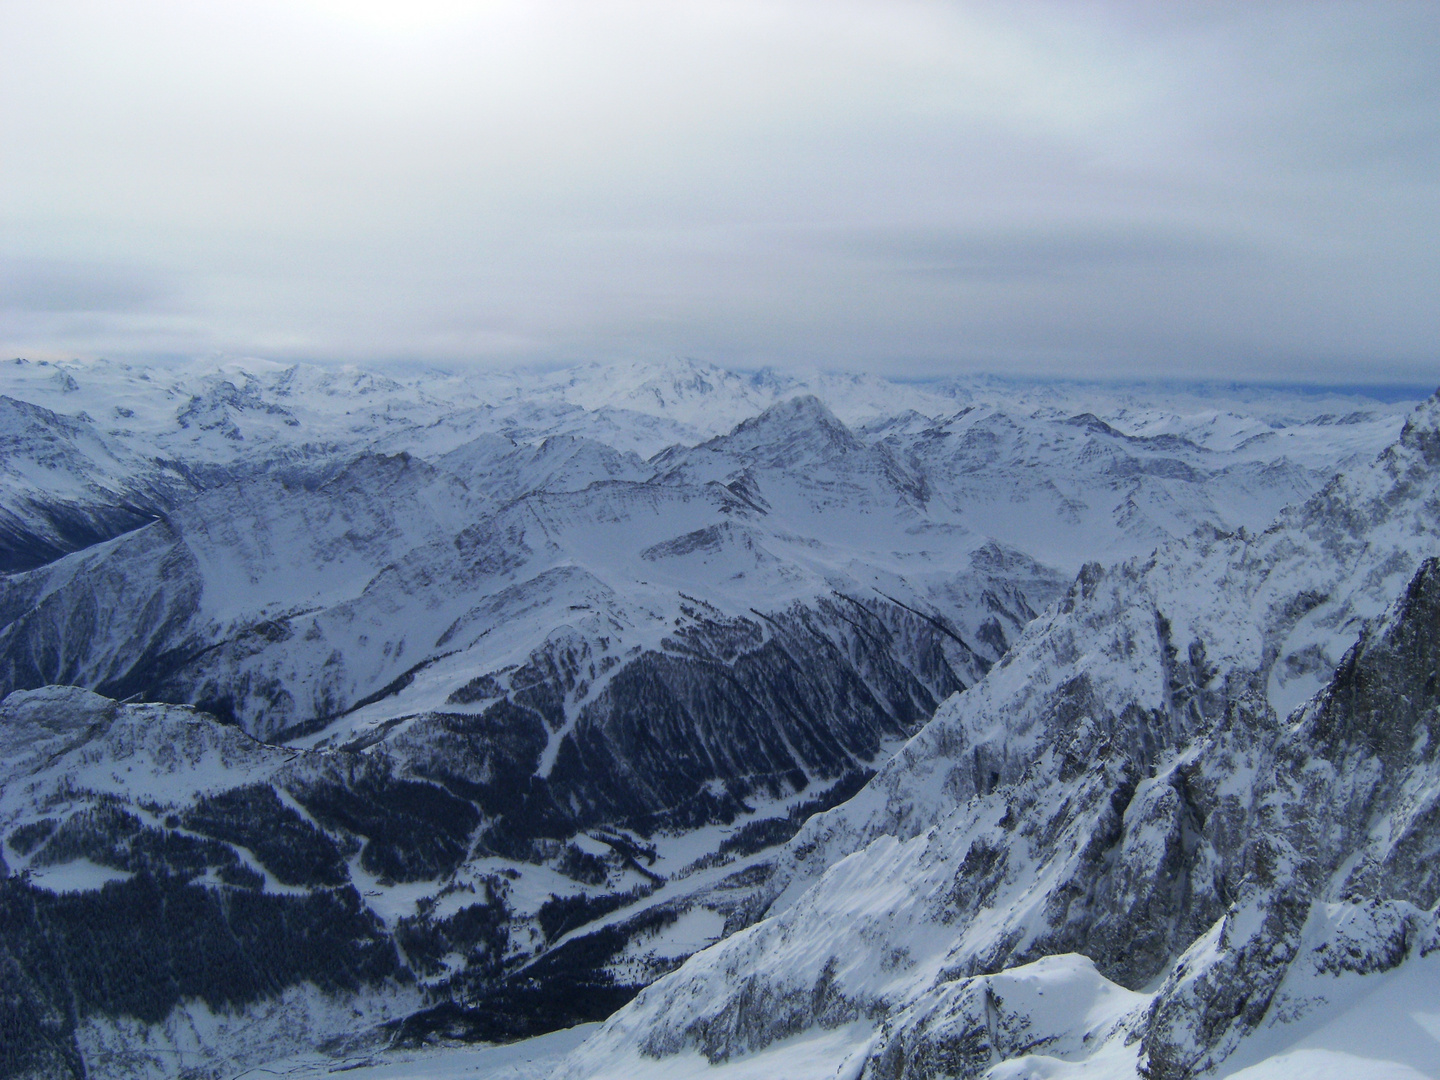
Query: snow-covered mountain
[119,435]
[1189,803]
[532,673]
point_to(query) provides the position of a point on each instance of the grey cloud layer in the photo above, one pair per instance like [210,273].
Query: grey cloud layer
[1113,188]
[1061,253]
[41,285]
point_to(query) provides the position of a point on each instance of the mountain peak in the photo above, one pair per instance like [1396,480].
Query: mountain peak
[805,410]
[798,428]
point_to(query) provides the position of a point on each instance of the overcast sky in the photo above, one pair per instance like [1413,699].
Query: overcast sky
[1237,190]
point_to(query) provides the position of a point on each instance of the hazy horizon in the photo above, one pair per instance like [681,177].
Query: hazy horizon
[1384,392]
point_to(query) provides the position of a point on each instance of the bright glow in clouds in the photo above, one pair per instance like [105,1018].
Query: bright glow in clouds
[1219,189]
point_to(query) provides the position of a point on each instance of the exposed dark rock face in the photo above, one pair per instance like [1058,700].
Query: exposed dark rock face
[55,627]
[97,495]
[1343,814]
[1333,817]
[35,533]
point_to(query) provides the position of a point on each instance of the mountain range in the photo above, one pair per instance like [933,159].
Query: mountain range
[373,709]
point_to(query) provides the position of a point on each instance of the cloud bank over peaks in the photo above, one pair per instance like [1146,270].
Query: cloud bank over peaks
[920,188]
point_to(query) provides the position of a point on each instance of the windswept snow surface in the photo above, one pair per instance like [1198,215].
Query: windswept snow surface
[1385,1026]
[1379,1026]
